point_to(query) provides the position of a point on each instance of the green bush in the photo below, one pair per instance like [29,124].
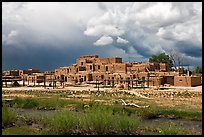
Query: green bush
[24,103]
[8,117]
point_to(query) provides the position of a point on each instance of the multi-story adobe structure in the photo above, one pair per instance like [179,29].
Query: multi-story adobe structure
[113,71]
[107,71]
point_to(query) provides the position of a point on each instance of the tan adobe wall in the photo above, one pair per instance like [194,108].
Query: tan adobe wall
[120,67]
[73,69]
[142,74]
[138,68]
[92,68]
[155,81]
[187,81]
[109,60]
[182,81]
[167,73]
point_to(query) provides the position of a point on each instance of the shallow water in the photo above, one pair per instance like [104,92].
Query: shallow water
[192,125]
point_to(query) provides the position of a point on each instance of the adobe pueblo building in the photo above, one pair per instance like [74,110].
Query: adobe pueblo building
[112,71]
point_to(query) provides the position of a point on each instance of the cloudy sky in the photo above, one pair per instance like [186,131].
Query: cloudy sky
[51,35]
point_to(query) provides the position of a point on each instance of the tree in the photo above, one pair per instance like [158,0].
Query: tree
[197,70]
[162,58]
[177,59]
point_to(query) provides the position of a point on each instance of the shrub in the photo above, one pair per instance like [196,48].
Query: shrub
[8,117]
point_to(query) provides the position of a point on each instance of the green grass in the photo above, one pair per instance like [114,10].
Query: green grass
[8,117]
[172,129]
[164,129]
[94,122]
[180,114]
[20,131]
[56,103]
[23,102]
[77,116]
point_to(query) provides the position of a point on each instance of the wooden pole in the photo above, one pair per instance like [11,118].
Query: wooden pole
[98,85]
[34,81]
[44,81]
[132,83]
[23,81]
[53,83]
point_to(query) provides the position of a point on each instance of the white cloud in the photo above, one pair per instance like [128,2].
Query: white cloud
[121,40]
[13,33]
[150,27]
[10,38]
[49,21]
[104,40]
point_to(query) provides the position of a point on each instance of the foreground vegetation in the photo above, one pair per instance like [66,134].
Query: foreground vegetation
[98,113]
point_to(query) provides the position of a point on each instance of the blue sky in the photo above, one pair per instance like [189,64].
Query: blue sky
[51,35]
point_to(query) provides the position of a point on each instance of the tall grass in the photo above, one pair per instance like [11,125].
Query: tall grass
[92,122]
[8,117]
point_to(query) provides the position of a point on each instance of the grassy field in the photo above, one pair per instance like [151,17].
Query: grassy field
[64,112]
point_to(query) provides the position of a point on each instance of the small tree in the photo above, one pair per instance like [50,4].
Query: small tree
[197,70]
[177,59]
[162,58]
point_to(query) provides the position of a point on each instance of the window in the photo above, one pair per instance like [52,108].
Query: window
[180,80]
[81,63]
[106,68]
[98,66]
[90,67]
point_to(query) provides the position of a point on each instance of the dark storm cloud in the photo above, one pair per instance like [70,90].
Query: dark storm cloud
[189,48]
[41,57]
[51,35]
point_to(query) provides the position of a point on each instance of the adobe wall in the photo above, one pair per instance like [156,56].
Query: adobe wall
[196,81]
[12,73]
[119,67]
[109,60]
[155,81]
[189,81]
[167,73]
[169,80]
[92,68]
[182,81]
